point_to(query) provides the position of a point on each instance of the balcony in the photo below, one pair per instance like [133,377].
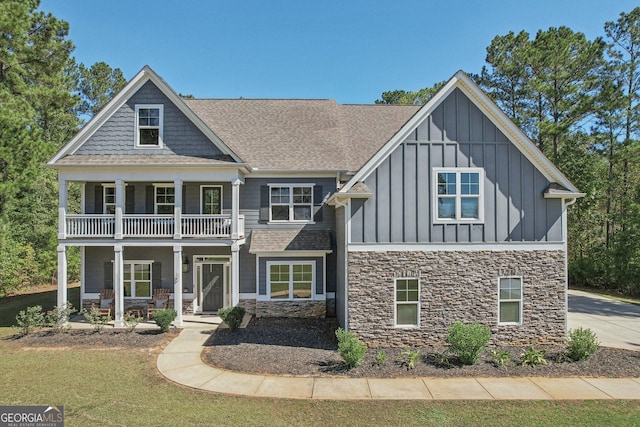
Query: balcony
[151,226]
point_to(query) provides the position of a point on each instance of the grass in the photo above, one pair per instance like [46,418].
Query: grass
[10,306]
[123,387]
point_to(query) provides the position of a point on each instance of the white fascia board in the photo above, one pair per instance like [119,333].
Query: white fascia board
[121,98]
[465,247]
[461,81]
[147,174]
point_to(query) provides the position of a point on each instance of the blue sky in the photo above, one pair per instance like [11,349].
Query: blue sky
[349,50]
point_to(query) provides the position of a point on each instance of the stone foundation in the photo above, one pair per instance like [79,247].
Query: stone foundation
[249,305]
[457,285]
[291,309]
[331,307]
[187,305]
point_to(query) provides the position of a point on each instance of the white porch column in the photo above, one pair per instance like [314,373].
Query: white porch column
[235,207]
[118,284]
[235,274]
[177,284]
[177,209]
[62,276]
[119,208]
[62,208]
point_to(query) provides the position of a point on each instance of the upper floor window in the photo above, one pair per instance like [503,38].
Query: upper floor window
[290,202]
[149,118]
[211,199]
[165,199]
[458,195]
[108,199]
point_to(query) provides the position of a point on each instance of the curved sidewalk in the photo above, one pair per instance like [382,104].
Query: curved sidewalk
[180,362]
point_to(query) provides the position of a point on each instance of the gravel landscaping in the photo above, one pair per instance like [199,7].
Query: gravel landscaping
[308,347]
[107,338]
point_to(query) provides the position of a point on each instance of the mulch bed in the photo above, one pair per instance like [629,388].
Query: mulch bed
[308,347]
[141,339]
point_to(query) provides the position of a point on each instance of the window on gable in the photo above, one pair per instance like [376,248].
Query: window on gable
[458,195]
[149,120]
[164,199]
[407,302]
[510,300]
[290,280]
[290,202]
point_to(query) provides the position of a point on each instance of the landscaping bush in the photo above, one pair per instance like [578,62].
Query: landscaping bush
[96,320]
[380,357]
[468,340]
[57,318]
[409,358]
[30,319]
[351,349]
[581,343]
[163,318]
[232,316]
[533,357]
[501,358]
[131,321]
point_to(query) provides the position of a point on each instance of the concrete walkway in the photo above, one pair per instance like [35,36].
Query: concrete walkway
[180,362]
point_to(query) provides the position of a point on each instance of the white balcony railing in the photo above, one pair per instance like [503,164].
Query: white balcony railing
[90,225]
[192,226]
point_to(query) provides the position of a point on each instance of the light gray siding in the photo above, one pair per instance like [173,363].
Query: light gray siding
[180,135]
[456,134]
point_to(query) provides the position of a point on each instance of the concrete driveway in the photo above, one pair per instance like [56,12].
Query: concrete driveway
[617,324]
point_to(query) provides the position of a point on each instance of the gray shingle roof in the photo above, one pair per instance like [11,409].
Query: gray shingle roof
[290,240]
[284,134]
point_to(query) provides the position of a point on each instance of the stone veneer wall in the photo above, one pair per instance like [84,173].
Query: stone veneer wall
[291,309]
[187,305]
[249,305]
[457,285]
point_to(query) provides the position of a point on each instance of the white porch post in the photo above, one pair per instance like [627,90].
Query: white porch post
[235,207]
[177,284]
[177,208]
[62,276]
[235,274]
[62,208]
[118,284]
[119,207]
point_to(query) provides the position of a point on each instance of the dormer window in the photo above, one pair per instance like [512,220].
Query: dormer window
[149,125]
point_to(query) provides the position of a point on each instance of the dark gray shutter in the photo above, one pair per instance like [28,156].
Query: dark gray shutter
[264,203]
[97,201]
[108,275]
[318,197]
[149,206]
[184,199]
[130,199]
[156,275]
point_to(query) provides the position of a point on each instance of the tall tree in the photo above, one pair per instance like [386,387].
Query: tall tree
[97,85]
[419,97]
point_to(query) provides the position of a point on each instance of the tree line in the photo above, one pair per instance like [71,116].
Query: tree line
[579,101]
[45,96]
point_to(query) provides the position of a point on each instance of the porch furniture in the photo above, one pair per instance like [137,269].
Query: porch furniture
[160,301]
[137,311]
[105,305]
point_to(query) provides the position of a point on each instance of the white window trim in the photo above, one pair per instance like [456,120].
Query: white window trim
[511,300]
[104,198]
[160,126]
[133,281]
[458,196]
[291,264]
[396,302]
[202,187]
[291,204]
[155,198]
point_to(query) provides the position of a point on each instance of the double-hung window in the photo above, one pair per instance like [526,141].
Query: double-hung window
[137,279]
[108,199]
[510,300]
[149,121]
[165,199]
[211,197]
[291,202]
[458,195]
[290,280]
[407,302]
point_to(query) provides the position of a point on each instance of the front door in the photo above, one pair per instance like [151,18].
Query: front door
[212,287]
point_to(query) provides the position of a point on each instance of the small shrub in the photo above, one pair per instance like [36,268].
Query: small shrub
[57,318]
[409,358]
[94,318]
[232,316]
[582,343]
[533,357]
[163,318]
[468,340]
[443,360]
[131,321]
[380,358]
[501,358]
[351,349]
[30,319]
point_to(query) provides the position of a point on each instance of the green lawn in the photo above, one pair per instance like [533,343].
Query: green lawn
[123,387]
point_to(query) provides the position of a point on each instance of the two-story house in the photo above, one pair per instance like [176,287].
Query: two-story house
[396,219]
